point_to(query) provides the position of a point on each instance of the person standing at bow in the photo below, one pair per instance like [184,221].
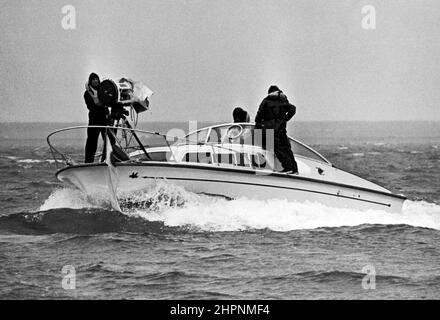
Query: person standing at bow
[274,113]
[97,117]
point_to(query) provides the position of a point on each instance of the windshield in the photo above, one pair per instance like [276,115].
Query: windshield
[195,137]
[247,135]
[301,150]
[241,134]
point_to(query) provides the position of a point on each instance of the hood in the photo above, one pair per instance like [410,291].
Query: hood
[277,95]
[92,76]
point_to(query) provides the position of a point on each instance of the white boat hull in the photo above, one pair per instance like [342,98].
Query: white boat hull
[231,183]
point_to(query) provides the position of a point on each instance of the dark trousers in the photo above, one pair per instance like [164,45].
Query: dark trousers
[283,152]
[92,143]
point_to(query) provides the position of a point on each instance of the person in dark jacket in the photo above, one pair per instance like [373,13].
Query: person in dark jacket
[97,117]
[240,115]
[274,113]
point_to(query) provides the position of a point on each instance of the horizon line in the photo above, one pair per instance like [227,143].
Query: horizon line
[226,121]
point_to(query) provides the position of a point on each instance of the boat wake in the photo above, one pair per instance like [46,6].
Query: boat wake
[173,206]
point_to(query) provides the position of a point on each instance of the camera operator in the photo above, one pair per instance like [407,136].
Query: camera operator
[97,117]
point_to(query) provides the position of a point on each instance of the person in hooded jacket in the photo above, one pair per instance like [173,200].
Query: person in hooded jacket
[274,113]
[97,117]
[240,115]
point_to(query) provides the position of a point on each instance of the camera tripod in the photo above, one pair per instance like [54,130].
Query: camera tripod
[121,121]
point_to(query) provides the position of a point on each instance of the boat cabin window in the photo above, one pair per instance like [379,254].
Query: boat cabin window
[301,150]
[154,156]
[198,157]
[241,159]
[226,159]
[259,160]
[234,159]
[158,156]
[197,137]
[214,136]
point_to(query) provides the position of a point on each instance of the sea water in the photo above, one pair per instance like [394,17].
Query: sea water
[173,244]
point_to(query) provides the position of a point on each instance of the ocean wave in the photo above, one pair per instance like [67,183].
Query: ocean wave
[102,267]
[28,160]
[281,215]
[174,207]
[339,275]
[35,161]
[73,199]
[159,198]
[76,221]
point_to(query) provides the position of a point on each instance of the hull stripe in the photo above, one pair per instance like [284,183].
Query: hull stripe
[271,186]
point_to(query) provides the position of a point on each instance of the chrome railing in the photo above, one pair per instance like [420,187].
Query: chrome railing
[67,145]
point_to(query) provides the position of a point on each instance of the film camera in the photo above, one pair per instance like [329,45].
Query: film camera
[124,93]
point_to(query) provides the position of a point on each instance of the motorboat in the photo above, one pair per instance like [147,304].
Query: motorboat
[218,160]
[229,160]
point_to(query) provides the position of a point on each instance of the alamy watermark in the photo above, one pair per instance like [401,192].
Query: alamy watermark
[369,19]
[369,280]
[68,22]
[69,279]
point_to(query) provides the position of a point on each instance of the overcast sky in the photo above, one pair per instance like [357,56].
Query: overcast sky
[202,58]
